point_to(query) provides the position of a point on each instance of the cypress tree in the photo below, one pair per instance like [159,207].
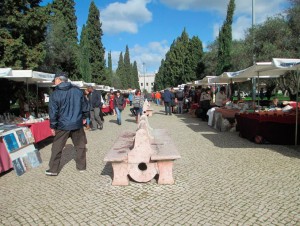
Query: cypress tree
[62,47]
[97,50]
[120,71]
[127,76]
[109,69]
[135,76]
[225,41]
[23,24]
[84,56]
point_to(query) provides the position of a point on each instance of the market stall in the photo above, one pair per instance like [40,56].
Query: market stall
[267,128]
[17,149]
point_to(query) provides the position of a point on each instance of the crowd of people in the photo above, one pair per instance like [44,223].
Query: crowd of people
[70,110]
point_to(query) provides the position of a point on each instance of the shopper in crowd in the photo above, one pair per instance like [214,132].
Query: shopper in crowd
[221,97]
[96,103]
[130,98]
[167,96]
[158,98]
[205,100]
[173,100]
[66,108]
[180,97]
[111,98]
[87,119]
[119,103]
[138,103]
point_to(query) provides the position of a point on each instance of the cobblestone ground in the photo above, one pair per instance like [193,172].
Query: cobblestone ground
[221,179]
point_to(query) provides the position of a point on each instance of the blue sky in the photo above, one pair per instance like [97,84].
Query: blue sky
[149,27]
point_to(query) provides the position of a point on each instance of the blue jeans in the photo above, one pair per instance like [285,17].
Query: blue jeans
[118,111]
[168,108]
[158,101]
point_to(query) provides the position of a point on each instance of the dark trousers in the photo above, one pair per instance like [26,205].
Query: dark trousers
[168,108]
[79,140]
[95,118]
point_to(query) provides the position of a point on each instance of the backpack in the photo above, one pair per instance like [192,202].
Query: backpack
[179,94]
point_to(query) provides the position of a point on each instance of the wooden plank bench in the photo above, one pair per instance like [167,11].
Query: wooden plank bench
[143,155]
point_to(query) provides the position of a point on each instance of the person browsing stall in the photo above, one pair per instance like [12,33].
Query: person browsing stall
[138,103]
[66,108]
[221,97]
[119,103]
[95,100]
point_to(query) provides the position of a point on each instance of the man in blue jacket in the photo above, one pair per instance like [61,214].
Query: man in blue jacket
[66,107]
[167,101]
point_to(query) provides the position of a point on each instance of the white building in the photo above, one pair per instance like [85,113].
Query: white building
[146,82]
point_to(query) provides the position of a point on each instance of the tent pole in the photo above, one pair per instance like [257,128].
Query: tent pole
[257,89]
[37,99]
[297,111]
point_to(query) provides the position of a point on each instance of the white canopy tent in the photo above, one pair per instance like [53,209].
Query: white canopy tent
[5,72]
[227,77]
[277,67]
[30,77]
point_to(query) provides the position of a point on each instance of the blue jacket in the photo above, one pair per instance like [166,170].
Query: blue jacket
[66,107]
[167,96]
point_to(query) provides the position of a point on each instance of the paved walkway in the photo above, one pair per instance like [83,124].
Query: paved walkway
[221,179]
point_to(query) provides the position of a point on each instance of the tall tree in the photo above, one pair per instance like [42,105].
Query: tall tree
[84,57]
[22,28]
[62,47]
[135,76]
[225,41]
[127,76]
[109,70]
[97,50]
[120,72]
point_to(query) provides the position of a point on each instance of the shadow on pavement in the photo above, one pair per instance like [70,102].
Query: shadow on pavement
[68,154]
[107,170]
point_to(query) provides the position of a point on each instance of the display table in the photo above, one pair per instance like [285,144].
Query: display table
[5,161]
[220,114]
[275,129]
[40,130]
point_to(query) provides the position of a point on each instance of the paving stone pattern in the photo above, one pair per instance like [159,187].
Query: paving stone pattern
[221,179]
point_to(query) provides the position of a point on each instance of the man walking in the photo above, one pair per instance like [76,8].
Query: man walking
[95,105]
[66,107]
[167,101]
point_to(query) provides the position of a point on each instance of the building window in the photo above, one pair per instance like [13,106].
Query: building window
[141,84]
[152,84]
[147,84]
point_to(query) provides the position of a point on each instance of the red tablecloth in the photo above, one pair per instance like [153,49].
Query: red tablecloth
[227,113]
[5,162]
[39,130]
[274,129]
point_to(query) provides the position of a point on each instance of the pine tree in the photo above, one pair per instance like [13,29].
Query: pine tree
[62,47]
[23,24]
[225,41]
[84,56]
[97,50]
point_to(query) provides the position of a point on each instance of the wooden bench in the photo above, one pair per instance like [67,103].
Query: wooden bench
[143,155]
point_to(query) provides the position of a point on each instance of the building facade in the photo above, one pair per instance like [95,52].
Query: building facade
[146,82]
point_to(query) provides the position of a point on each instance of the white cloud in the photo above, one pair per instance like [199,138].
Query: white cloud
[242,15]
[151,55]
[125,17]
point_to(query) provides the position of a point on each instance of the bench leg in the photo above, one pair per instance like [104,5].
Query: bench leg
[165,175]
[120,174]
